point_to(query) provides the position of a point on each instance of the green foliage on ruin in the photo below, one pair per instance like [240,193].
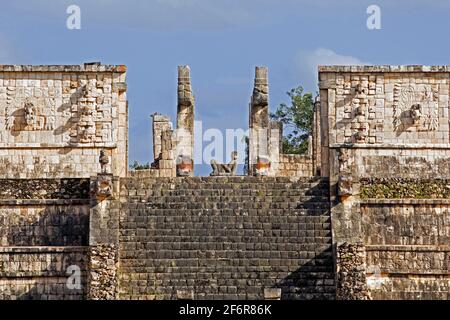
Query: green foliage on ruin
[138,166]
[404,188]
[297,118]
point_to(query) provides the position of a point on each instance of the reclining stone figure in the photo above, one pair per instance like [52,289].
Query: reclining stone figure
[220,169]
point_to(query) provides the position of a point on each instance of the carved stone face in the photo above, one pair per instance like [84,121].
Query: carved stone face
[30,113]
[103,186]
[260,97]
[360,89]
[416,112]
[184,165]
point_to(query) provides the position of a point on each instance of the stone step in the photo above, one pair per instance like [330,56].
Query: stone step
[246,191]
[239,206]
[211,249]
[209,216]
[138,184]
[234,179]
[155,192]
[319,237]
[213,235]
[229,215]
[159,234]
[229,199]
[226,226]
[212,184]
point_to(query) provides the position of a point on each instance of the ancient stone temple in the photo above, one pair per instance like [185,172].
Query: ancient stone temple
[363,215]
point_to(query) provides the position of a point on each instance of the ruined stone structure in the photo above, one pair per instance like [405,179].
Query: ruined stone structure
[56,123]
[266,156]
[385,147]
[363,215]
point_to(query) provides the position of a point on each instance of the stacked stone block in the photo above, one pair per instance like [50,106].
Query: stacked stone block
[225,238]
[160,124]
[55,120]
[265,139]
[41,273]
[385,145]
[43,231]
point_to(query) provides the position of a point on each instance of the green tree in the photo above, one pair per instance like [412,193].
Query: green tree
[296,119]
[137,166]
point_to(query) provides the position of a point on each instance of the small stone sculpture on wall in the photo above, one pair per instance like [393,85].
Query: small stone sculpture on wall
[262,166]
[30,115]
[103,186]
[104,160]
[184,166]
[220,169]
[416,108]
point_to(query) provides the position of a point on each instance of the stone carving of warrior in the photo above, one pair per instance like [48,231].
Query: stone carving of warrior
[416,113]
[104,160]
[220,169]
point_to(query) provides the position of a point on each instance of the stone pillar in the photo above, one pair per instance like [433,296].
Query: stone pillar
[351,272]
[160,123]
[103,238]
[259,119]
[316,145]
[275,146]
[184,134]
[167,163]
[324,133]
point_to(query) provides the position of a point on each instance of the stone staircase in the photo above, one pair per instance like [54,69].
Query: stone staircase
[225,238]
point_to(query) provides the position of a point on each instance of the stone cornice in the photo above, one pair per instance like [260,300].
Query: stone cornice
[383,68]
[87,67]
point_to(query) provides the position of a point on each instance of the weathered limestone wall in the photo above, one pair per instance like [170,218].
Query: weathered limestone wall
[409,272]
[43,223]
[44,226]
[44,212]
[386,148]
[41,273]
[55,119]
[295,166]
[407,244]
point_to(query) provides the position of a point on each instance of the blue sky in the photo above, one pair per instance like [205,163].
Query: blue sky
[222,41]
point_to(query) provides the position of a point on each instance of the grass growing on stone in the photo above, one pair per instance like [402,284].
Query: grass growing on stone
[404,188]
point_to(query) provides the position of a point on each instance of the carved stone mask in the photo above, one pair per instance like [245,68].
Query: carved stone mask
[30,113]
[416,111]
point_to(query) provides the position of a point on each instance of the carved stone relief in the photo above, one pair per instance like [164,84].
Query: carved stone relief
[345,179]
[361,111]
[416,107]
[221,169]
[260,99]
[26,112]
[87,113]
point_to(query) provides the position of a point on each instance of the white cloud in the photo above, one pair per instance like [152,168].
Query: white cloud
[306,63]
